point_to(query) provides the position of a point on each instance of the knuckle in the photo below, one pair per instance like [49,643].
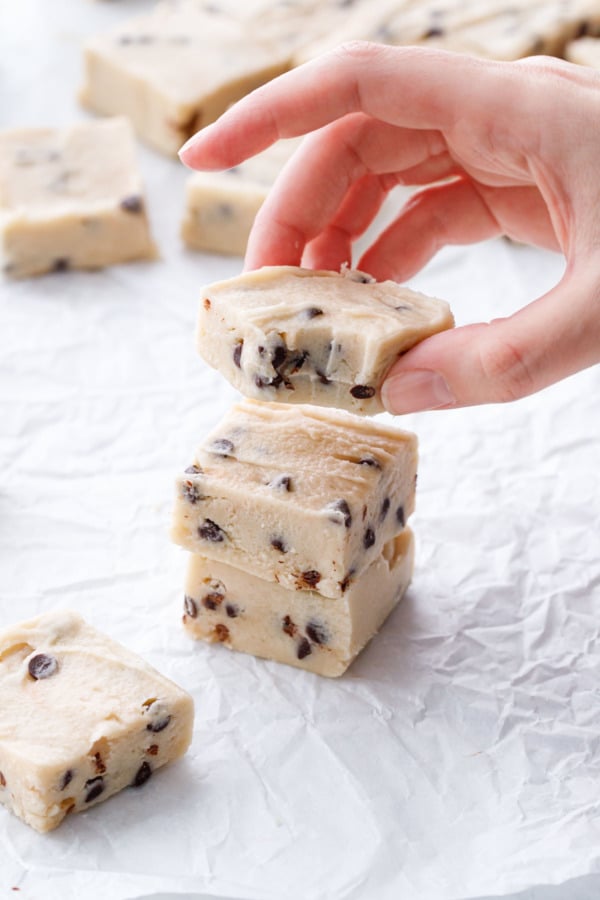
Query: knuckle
[505,369]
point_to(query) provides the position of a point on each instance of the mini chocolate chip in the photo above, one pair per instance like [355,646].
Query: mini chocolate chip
[402,308]
[221,633]
[310,578]
[99,764]
[345,582]
[400,516]
[340,506]
[2,780]
[362,391]
[190,607]
[368,538]
[213,600]
[206,303]
[384,509]
[221,447]
[152,750]
[317,632]
[62,264]
[281,483]
[191,492]
[434,31]
[65,780]
[237,354]
[278,544]
[296,362]
[142,775]
[95,787]
[232,610]
[159,725]
[289,626]
[42,666]
[303,649]
[311,312]
[279,356]
[370,462]
[194,469]
[322,377]
[132,204]
[210,531]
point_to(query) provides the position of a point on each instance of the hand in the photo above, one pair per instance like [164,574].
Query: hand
[514,149]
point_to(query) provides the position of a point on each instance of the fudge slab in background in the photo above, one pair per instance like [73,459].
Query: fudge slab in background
[301,628]
[81,718]
[584,51]
[301,336]
[298,495]
[71,198]
[174,70]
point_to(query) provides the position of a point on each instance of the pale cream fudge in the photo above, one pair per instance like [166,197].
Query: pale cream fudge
[295,335]
[299,495]
[324,635]
[71,198]
[221,206]
[176,69]
[81,718]
[584,51]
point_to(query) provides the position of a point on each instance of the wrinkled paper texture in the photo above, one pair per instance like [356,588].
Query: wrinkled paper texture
[459,756]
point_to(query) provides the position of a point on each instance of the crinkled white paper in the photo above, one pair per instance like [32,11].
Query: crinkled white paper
[459,758]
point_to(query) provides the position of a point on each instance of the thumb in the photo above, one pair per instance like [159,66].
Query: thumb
[507,359]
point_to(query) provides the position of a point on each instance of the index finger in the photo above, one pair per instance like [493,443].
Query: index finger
[409,86]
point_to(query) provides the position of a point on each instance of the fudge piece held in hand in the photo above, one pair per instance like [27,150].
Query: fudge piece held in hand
[302,336]
[299,495]
[175,69]
[71,199]
[81,718]
[320,634]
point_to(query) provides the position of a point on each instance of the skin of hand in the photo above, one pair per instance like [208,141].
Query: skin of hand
[496,147]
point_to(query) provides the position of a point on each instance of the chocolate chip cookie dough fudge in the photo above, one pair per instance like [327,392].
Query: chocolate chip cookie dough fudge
[176,69]
[585,51]
[301,628]
[301,336]
[298,495]
[71,198]
[81,718]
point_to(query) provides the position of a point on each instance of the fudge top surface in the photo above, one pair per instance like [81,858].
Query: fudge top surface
[295,300]
[305,456]
[64,685]
[90,165]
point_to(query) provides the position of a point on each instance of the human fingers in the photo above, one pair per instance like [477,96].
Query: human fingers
[408,86]
[551,338]
[456,212]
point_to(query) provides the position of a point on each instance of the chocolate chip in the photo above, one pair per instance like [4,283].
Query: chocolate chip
[296,361]
[213,600]
[403,307]
[132,204]
[190,607]
[152,750]
[42,666]
[370,462]
[400,518]
[193,470]
[289,626]
[309,579]
[95,786]
[191,492]
[281,483]
[142,775]
[206,303]
[303,649]
[221,633]
[278,544]
[232,610]
[322,377]
[62,264]
[160,724]
[362,391]
[341,507]
[210,531]
[434,31]
[237,354]
[99,764]
[221,447]
[317,632]
[384,509]
[311,312]
[345,582]
[368,538]
[278,356]
[2,780]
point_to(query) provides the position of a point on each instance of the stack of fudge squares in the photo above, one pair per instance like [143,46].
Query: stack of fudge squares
[295,506]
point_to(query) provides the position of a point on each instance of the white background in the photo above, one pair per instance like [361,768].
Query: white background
[459,758]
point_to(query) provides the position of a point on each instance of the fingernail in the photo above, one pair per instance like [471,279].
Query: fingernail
[189,143]
[414,391]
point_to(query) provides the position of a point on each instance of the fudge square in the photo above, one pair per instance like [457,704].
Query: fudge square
[175,69]
[298,495]
[81,718]
[71,199]
[301,628]
[302,336]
